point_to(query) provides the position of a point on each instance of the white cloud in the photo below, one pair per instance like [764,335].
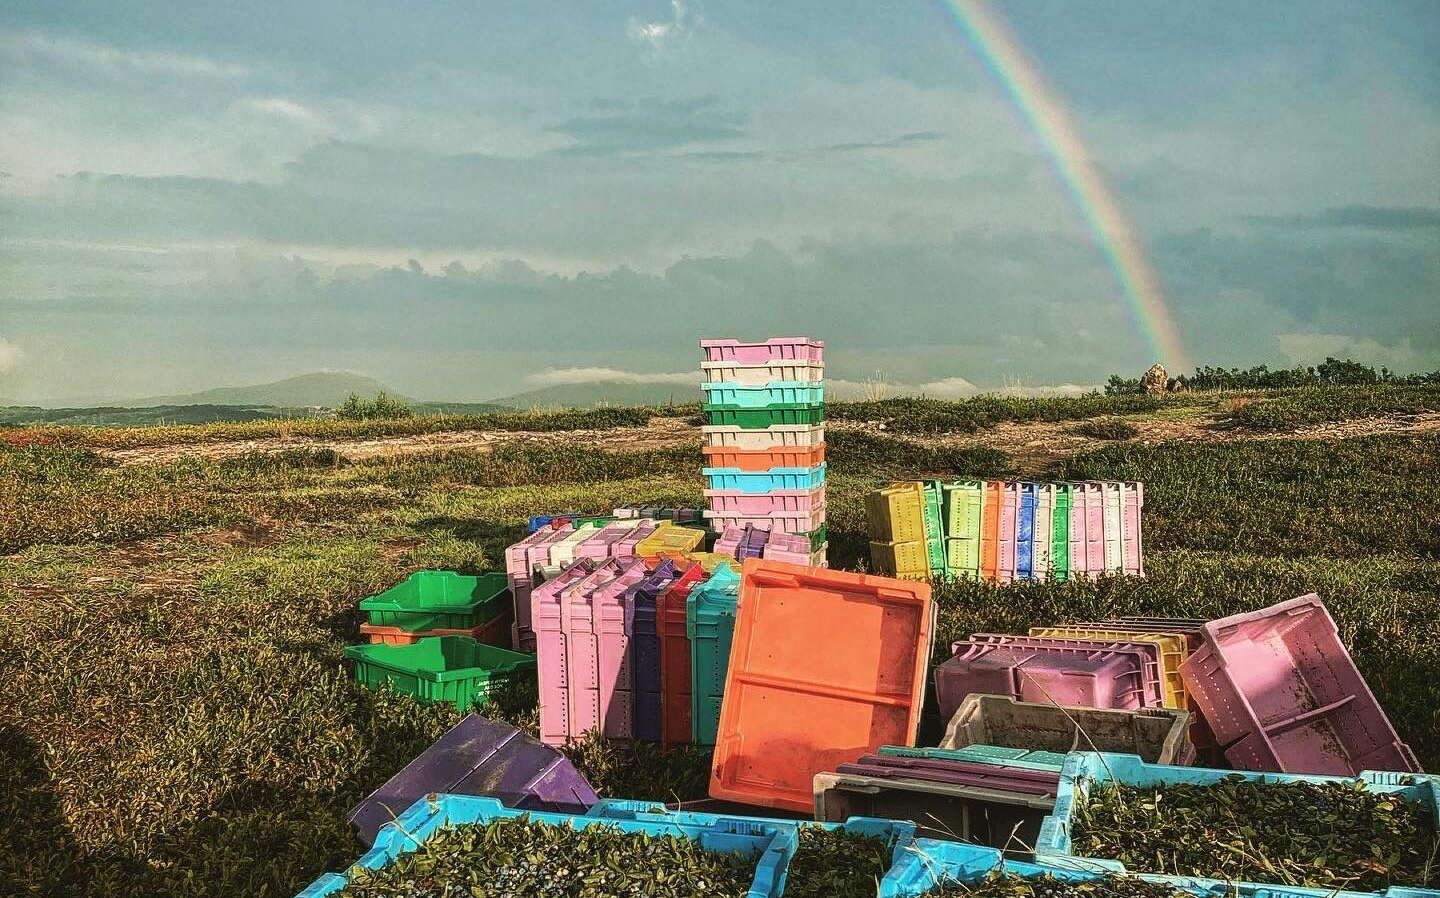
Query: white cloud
[10,355]
[611,375]
[1309,349]
[656,35]
[29,48]
[943,388]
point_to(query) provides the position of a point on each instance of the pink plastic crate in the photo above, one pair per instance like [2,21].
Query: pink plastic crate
[1076,677]
[1133,497]
[602,544]
[729,541]
[546,603]
[1005,553]
[1146,656]
[537,554]
[625,548]
[594,618]
[1279,689]
[772,350]
[1078,566]
[779,523]
[788,547]
[1092,499]
[734,502]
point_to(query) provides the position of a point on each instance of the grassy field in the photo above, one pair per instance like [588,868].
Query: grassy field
[179,719]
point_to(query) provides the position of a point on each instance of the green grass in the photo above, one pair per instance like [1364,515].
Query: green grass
[1299,408]
[179,719]
[1106,429]
[933,416]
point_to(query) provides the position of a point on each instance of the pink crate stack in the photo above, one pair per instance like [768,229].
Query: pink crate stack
[775,349]
[547,602]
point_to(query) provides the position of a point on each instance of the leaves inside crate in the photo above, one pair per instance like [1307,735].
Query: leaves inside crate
[836,864]
[1004,886]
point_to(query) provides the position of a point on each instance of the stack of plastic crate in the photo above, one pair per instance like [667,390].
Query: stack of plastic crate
[1005,530]
[765,437]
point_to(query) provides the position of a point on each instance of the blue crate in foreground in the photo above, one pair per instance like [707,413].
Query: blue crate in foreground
[772,845]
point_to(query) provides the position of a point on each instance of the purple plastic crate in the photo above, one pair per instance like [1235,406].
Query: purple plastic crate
[772,350]
[752,544]
[485,758]
[960,773]
[786,502]
[645,650]
[1146,654]
[1282,694]
[552,672]
[1076,676]
[788,547]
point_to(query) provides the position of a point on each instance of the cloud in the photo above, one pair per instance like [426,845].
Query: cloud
[1309,349]
[658,35]
[31,49]
[651,123]
[1380,218]
[551,376]
[10,355]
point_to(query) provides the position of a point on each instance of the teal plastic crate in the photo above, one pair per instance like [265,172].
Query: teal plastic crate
[772,845]
[1085,768]
[439,600]
[454,669]
[1003,755]
[928,863]
[765,481]
[710,626]
[779,392]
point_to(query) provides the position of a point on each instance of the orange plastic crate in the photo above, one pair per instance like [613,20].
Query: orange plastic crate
[825,666]
[764,459]
[496,632]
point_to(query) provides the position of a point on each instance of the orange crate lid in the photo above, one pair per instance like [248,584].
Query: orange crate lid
[825,666]
[764,459]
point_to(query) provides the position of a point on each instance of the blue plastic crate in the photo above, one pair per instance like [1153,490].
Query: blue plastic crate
[927,863]
[1002,755]
[1082,768]
[772,845]
[765,481]
[1025,534]
[777,392]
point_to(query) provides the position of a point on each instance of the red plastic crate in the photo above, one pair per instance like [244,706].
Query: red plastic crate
[675,657]
[763,460]
[825,666]
[1281,694]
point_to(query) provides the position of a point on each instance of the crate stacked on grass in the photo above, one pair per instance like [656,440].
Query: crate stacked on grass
[1005,530]
[765,437]
[440,603]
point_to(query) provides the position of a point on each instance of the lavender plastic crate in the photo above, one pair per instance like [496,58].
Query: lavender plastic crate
[552,672]
[1073,676]
[479,757]
[729,541]
[753,542]
[787,502]
[645,650]
[775,349]
[602,544]
[1281,694]
[1147,656]
[794,370]
[776,436]
[597,653]
[789,547]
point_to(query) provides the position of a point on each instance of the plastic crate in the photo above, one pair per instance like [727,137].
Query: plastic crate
[782,502]
[645,649]
[765,481]
[1083,770]
[1146,655]
[824,664]
[1008,531]
[452,669]
[896,513]
[670,539]
[1060,533]
[552,672]
[1042,549]
[518,564]
[495,632]
[775,349]
[594,615]
[1155,734]
[994,497]
[1091,497]
[993,805]
[1133,498]
[962,502]
[479,757]
[909,560]
[601,545]
[429,600]
[772,845]
[1025,533]
[562,552]
[710,627]
[1281,693]
[764,460]
[1173,651]
[1029,759]
[781,393]
[793,548]
[759,375]
[675,717]
[1114,515]
[762,418]
[1078,675]
[779,523]
[779,436]
[643,529]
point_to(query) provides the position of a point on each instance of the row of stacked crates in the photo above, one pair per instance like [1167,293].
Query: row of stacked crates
[1005,530]
[765,437]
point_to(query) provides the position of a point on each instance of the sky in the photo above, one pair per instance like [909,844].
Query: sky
[465,200]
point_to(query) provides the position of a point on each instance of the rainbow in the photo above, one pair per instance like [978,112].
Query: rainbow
[1051,122]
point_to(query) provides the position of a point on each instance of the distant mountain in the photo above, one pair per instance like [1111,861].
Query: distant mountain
[588,395]
[327,388]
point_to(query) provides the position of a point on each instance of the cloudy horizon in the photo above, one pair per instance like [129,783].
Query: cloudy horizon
[461,202]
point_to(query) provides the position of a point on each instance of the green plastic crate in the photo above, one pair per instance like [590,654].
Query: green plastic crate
[934,530]
[1060,534]
[710,625]
[456,670]
[962,502]
[818,537]
[761,418]
[439,600]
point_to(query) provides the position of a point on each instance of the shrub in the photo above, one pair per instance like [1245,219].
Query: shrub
[1106,429]
[383,407]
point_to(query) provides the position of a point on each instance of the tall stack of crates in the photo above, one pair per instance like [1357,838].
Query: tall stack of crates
[1005,530]
[765,437]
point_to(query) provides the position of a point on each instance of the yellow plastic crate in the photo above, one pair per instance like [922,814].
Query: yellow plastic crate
[1173,652]
[708,561]
[896,514]
[901,559]
[670,540]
